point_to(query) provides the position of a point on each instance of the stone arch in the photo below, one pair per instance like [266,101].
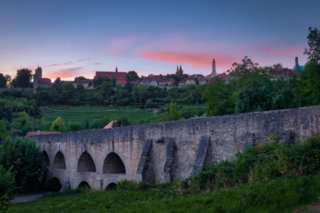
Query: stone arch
[113,164]
[45,158]
[54,185]
[86,163]
[111,186]
[59,161]
[84,185]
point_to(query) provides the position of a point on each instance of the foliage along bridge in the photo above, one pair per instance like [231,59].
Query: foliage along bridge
[165,151]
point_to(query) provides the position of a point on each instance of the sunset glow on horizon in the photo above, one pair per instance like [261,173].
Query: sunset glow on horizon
[78,37]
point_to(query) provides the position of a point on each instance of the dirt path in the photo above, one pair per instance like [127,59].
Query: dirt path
[22,198]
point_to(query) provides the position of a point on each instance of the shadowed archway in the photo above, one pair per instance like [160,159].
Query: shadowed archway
[111,186]
[45,159]
[113,164]
[86,163]
[84,185]
[59,162]
[54,185]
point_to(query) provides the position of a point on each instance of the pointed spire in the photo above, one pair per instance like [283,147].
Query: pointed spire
[116,69]
[297,61]
[213,72]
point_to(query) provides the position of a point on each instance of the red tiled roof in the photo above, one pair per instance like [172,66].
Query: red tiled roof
[223,76]
[121,77]
[44,81]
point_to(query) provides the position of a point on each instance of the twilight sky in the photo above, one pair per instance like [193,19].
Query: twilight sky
[69,38]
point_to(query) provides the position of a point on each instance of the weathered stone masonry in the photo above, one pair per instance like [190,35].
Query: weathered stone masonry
[165,151]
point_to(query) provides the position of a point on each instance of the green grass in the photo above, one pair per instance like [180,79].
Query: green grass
[80,114]
[280,195]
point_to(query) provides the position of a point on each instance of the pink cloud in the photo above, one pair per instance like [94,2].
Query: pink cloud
[60,64]
[67,73]
[281,50]
[83,59]
[120,44]
[198,60]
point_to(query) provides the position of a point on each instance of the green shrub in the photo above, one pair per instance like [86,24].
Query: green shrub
[23,157]
[261,163]
[7,188]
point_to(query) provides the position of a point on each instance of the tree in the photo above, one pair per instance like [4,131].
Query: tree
[246,66]
[22,79]
[310,83]
[172,114]
[57,125]
[313,51]
[132,76]
[3,81]
[23,157]
[219,96]
[7,188]
[21,124]
[255,94]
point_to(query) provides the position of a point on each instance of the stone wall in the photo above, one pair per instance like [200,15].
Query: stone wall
[172,150]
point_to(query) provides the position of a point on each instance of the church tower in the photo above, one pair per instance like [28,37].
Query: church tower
[214,72]
[37,77]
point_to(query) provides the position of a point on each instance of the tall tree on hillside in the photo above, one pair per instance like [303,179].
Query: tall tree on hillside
[22,79]
[310,82]
[313,51]
[219,96]
[57,125]
[3,81]
[132,76]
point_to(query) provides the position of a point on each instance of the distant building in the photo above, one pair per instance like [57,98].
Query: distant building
[213,71]
[120,77]
[38,81]
[158,81]
[187,82]
[86,83]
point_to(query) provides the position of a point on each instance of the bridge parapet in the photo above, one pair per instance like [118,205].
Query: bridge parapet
[172,150]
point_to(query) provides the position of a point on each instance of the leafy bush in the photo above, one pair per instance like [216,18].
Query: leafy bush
[7,188]
[23,157]
[260,164]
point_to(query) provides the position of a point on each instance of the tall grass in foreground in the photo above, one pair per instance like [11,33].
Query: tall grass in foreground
[280,195]
[261,163]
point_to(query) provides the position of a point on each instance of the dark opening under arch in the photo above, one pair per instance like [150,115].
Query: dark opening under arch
[54,185]
[86,163]
[59,161]
[113,164]
[84,185]
[45,159]
[111,186]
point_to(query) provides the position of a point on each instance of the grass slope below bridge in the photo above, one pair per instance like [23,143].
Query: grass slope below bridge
[80,114]
[281,195]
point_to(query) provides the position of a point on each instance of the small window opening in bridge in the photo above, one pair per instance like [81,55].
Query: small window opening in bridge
[84,185]
[111,186]
[45,159]
[59,161]
[85,163]
[54,185]
[113,164]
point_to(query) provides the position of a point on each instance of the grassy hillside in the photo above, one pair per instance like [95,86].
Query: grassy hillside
[80,114]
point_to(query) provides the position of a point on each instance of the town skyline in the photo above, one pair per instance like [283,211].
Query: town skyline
[77,38]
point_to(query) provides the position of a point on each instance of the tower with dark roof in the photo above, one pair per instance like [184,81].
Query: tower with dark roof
[213,72]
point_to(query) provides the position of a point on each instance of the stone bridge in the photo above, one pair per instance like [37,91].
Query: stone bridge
[165,151]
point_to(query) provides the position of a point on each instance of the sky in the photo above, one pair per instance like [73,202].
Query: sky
[70,38]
